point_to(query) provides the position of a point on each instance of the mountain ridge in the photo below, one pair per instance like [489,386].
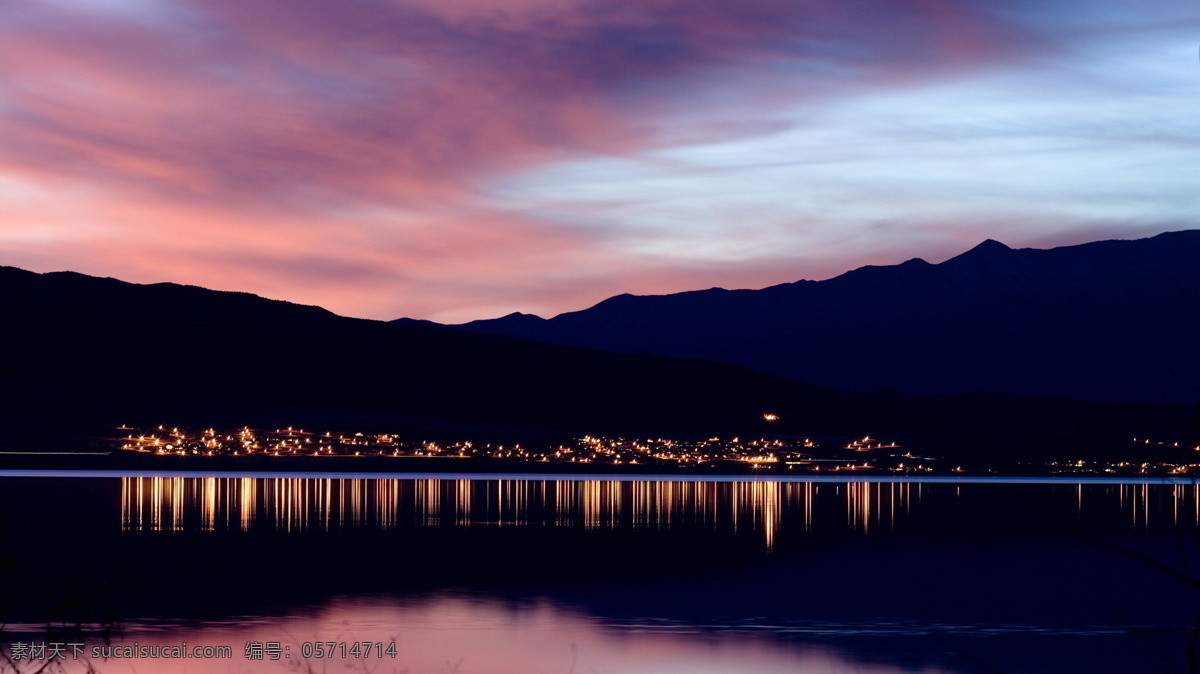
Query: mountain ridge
[89,354]
[1106,321]
[102,351]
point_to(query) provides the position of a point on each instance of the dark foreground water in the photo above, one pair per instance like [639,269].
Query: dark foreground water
[563,576]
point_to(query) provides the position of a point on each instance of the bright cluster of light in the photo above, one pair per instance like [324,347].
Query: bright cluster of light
[587,449]
[839,455]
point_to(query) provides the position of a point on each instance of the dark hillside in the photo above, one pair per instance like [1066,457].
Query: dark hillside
[1105,321]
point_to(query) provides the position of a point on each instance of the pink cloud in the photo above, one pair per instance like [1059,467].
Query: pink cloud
[390,99]
[336,153]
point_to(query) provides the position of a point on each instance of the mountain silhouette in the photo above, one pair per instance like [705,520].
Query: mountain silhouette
[86,354]
[1103,321]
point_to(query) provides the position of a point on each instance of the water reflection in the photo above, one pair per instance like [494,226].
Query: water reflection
[297,504]
[293,504]
[464,635]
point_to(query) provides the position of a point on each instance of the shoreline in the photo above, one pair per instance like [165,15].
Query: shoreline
[604,477]
[121,464]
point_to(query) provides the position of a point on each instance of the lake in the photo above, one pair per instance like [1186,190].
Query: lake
[573,575]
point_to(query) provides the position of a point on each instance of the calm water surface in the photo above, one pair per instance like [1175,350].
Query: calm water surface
[565,575]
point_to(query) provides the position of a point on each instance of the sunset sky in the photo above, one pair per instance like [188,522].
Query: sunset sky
[461,159]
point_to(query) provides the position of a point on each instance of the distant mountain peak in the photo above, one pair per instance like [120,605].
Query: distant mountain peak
[990,249]
[989,246]
[415,321]
[515,320]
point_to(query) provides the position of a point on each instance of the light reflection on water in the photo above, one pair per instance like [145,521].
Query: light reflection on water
[299,504]
[294,504]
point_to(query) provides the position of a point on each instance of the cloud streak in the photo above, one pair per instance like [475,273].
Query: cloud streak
[357,154]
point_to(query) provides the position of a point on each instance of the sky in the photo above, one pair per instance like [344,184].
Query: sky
[467,159]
